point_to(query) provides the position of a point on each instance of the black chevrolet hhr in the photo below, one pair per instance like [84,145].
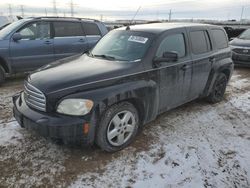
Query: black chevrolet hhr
[132,75]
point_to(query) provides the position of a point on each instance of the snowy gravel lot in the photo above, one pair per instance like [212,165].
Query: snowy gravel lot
[196,145]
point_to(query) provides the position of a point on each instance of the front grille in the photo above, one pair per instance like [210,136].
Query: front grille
[243,51]
[34,97]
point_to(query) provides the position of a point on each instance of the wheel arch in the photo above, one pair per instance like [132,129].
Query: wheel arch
[226,69]
[4,65]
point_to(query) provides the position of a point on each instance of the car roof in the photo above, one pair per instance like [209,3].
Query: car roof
[65,18]
[157,28]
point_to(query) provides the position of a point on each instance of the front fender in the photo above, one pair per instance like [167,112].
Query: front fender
[144,92]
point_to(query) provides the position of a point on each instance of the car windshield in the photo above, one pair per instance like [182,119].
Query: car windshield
[245,35]
[6,30]
[123,45]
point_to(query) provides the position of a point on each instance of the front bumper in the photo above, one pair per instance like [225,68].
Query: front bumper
[66,128]
[241,59]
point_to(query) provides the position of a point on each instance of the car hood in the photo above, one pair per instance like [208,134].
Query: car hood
[240,42]
[78,71]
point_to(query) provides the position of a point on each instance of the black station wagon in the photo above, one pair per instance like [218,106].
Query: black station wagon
[132,75]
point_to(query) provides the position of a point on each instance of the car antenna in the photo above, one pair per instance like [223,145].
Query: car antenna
[135,15]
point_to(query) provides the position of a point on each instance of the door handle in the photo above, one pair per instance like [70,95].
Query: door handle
[81,40]
[183,67]
[47,42]
[212,59]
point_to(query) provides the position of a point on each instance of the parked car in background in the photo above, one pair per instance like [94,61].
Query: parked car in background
[233,32]
[28,44]
[241,49]
[132,75]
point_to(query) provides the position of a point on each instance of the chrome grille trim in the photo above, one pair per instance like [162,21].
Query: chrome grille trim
[241,51]
[34,97]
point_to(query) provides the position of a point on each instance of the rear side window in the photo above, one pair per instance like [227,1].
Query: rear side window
[172,43]
[91,29]
[200,42]
[220,38]
[68,29]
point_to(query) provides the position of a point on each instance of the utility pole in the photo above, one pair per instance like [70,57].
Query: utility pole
[101,17]
[170,15]
[54,7]
[242,12]
[10,9]
[46,13]
[22,10]
[72,7]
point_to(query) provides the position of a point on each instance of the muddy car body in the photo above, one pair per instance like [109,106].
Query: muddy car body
[150,69]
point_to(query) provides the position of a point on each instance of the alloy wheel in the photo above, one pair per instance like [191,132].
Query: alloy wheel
[121,128]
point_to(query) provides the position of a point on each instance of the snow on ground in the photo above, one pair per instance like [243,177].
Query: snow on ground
[10,133]
[200,148]
[196,145]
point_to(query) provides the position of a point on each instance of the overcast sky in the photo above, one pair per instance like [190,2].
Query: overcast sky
[117,9]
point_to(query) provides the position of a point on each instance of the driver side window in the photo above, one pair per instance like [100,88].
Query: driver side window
[172,43]
[38,30]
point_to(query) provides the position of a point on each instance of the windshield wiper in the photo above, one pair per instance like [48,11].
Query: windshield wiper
[104,56]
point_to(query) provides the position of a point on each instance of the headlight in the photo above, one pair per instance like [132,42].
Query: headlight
[76,107]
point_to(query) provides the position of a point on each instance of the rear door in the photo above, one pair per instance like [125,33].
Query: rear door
[69,39]
[93,33]
[202,56]
[175,77]
[35,49]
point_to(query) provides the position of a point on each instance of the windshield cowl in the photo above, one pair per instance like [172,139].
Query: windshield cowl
[110,58]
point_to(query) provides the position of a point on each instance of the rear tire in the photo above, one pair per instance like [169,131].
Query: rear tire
[118,127]
[219,89]
[2,75]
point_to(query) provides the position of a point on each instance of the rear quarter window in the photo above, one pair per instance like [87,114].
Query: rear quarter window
[91,29]
[220,38]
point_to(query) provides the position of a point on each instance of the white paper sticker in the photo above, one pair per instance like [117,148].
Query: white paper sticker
[139,39]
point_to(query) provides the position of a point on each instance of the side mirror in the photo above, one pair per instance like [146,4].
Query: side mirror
[167,57]
[16,37]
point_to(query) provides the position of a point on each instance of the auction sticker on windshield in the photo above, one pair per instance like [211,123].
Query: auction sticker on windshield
[139,39]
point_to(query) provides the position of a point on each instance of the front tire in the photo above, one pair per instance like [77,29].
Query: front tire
[219,89]
[118,127]
[2,75]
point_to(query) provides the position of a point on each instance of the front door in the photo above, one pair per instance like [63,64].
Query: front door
[175,77]
[34,50]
